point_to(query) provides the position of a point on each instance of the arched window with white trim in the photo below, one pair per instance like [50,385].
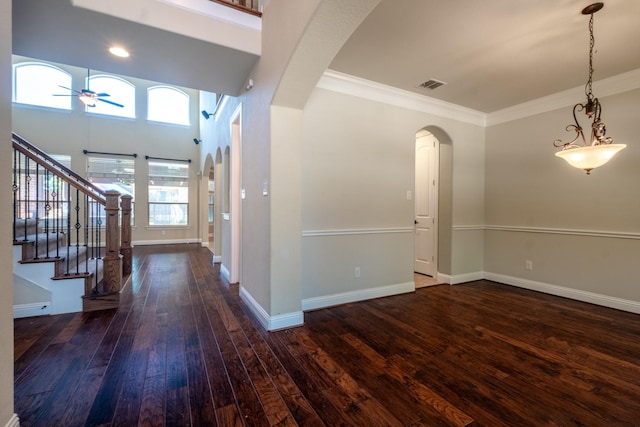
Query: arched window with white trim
[166,104]
[36,83]
[120,92]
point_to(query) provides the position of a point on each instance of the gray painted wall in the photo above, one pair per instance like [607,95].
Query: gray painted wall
[581,232]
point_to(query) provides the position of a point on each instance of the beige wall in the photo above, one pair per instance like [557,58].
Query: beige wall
[6,302]
[357,166]
[299,41]
[71,132]
[582,232]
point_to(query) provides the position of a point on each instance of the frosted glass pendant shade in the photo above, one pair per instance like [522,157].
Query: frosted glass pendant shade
[590,157]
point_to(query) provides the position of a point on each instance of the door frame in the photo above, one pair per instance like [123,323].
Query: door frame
[235,128]
[435,176]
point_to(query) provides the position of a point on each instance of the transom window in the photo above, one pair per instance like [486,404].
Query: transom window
[168,193]
[36,84]
[120,91]
[167,105]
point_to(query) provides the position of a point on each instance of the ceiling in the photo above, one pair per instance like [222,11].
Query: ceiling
[56,31]
[492,54]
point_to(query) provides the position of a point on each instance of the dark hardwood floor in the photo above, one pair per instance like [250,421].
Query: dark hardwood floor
[184,351]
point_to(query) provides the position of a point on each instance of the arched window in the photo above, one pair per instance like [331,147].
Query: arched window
[36,84]
[166,104]
[120,91]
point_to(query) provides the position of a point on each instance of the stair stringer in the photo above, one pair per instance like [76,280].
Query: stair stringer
[66,295]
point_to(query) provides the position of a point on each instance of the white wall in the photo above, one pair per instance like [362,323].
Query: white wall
[71,132]
[6,302]
[582,232]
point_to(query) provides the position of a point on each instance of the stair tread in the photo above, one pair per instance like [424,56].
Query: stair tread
[32,237]
[73,253]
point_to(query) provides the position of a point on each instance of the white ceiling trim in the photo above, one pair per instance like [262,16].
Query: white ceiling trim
[367,89]
[610,86]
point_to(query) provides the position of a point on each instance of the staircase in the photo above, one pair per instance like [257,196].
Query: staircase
[67,234]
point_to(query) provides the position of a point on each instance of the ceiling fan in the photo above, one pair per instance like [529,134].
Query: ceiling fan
[87,96]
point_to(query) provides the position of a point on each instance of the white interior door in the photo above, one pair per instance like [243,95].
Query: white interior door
[426,208]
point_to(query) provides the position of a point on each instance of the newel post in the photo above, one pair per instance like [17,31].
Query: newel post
[112,265]
[125,246]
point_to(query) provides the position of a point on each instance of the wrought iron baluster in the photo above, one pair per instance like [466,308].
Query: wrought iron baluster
[15,187]
[27,180]
[68,243]
[95,237]
[87,226]
[47,207]
[37,209]
[77,228]
[57,219]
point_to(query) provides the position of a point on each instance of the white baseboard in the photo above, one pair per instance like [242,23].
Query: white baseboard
[353,296]
[443,278]
[164,242]
[271,323]
[467,277]
[13,422]
[32,309]
[576,294]
[217,259]
[224,272]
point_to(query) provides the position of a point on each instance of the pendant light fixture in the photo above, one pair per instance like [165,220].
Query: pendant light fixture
[580,153]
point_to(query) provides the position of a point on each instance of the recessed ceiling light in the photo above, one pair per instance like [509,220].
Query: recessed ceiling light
[119,51]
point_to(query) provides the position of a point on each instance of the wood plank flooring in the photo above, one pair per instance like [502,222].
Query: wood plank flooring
[183,350]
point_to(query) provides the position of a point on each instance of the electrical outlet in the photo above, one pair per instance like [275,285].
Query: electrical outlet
[357,272]
[528,264]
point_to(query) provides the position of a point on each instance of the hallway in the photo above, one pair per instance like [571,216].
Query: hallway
[185,351]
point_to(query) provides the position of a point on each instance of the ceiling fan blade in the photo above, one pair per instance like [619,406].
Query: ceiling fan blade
[87,92]
[102,94]
[111,102]
[69,89]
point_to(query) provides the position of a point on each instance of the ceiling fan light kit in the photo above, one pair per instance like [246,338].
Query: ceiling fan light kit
[600,149]
[88,97]
[87,100]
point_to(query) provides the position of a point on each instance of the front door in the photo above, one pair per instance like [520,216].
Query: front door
[426,200]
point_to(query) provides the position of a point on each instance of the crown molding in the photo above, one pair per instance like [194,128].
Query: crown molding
[367,89]
[350,85]
[606,87]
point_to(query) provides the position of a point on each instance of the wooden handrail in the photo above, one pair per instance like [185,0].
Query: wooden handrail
[241,6]
[39,156]
[84,228]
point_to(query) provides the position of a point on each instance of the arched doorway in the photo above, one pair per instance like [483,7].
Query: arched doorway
[426,207]
[433,201]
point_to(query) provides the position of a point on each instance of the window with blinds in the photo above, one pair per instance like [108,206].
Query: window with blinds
[113,174]
[168,193]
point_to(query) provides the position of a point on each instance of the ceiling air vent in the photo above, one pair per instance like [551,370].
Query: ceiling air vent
[432,84]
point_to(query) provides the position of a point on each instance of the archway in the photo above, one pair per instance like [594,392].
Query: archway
[442,190]
[425,262]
